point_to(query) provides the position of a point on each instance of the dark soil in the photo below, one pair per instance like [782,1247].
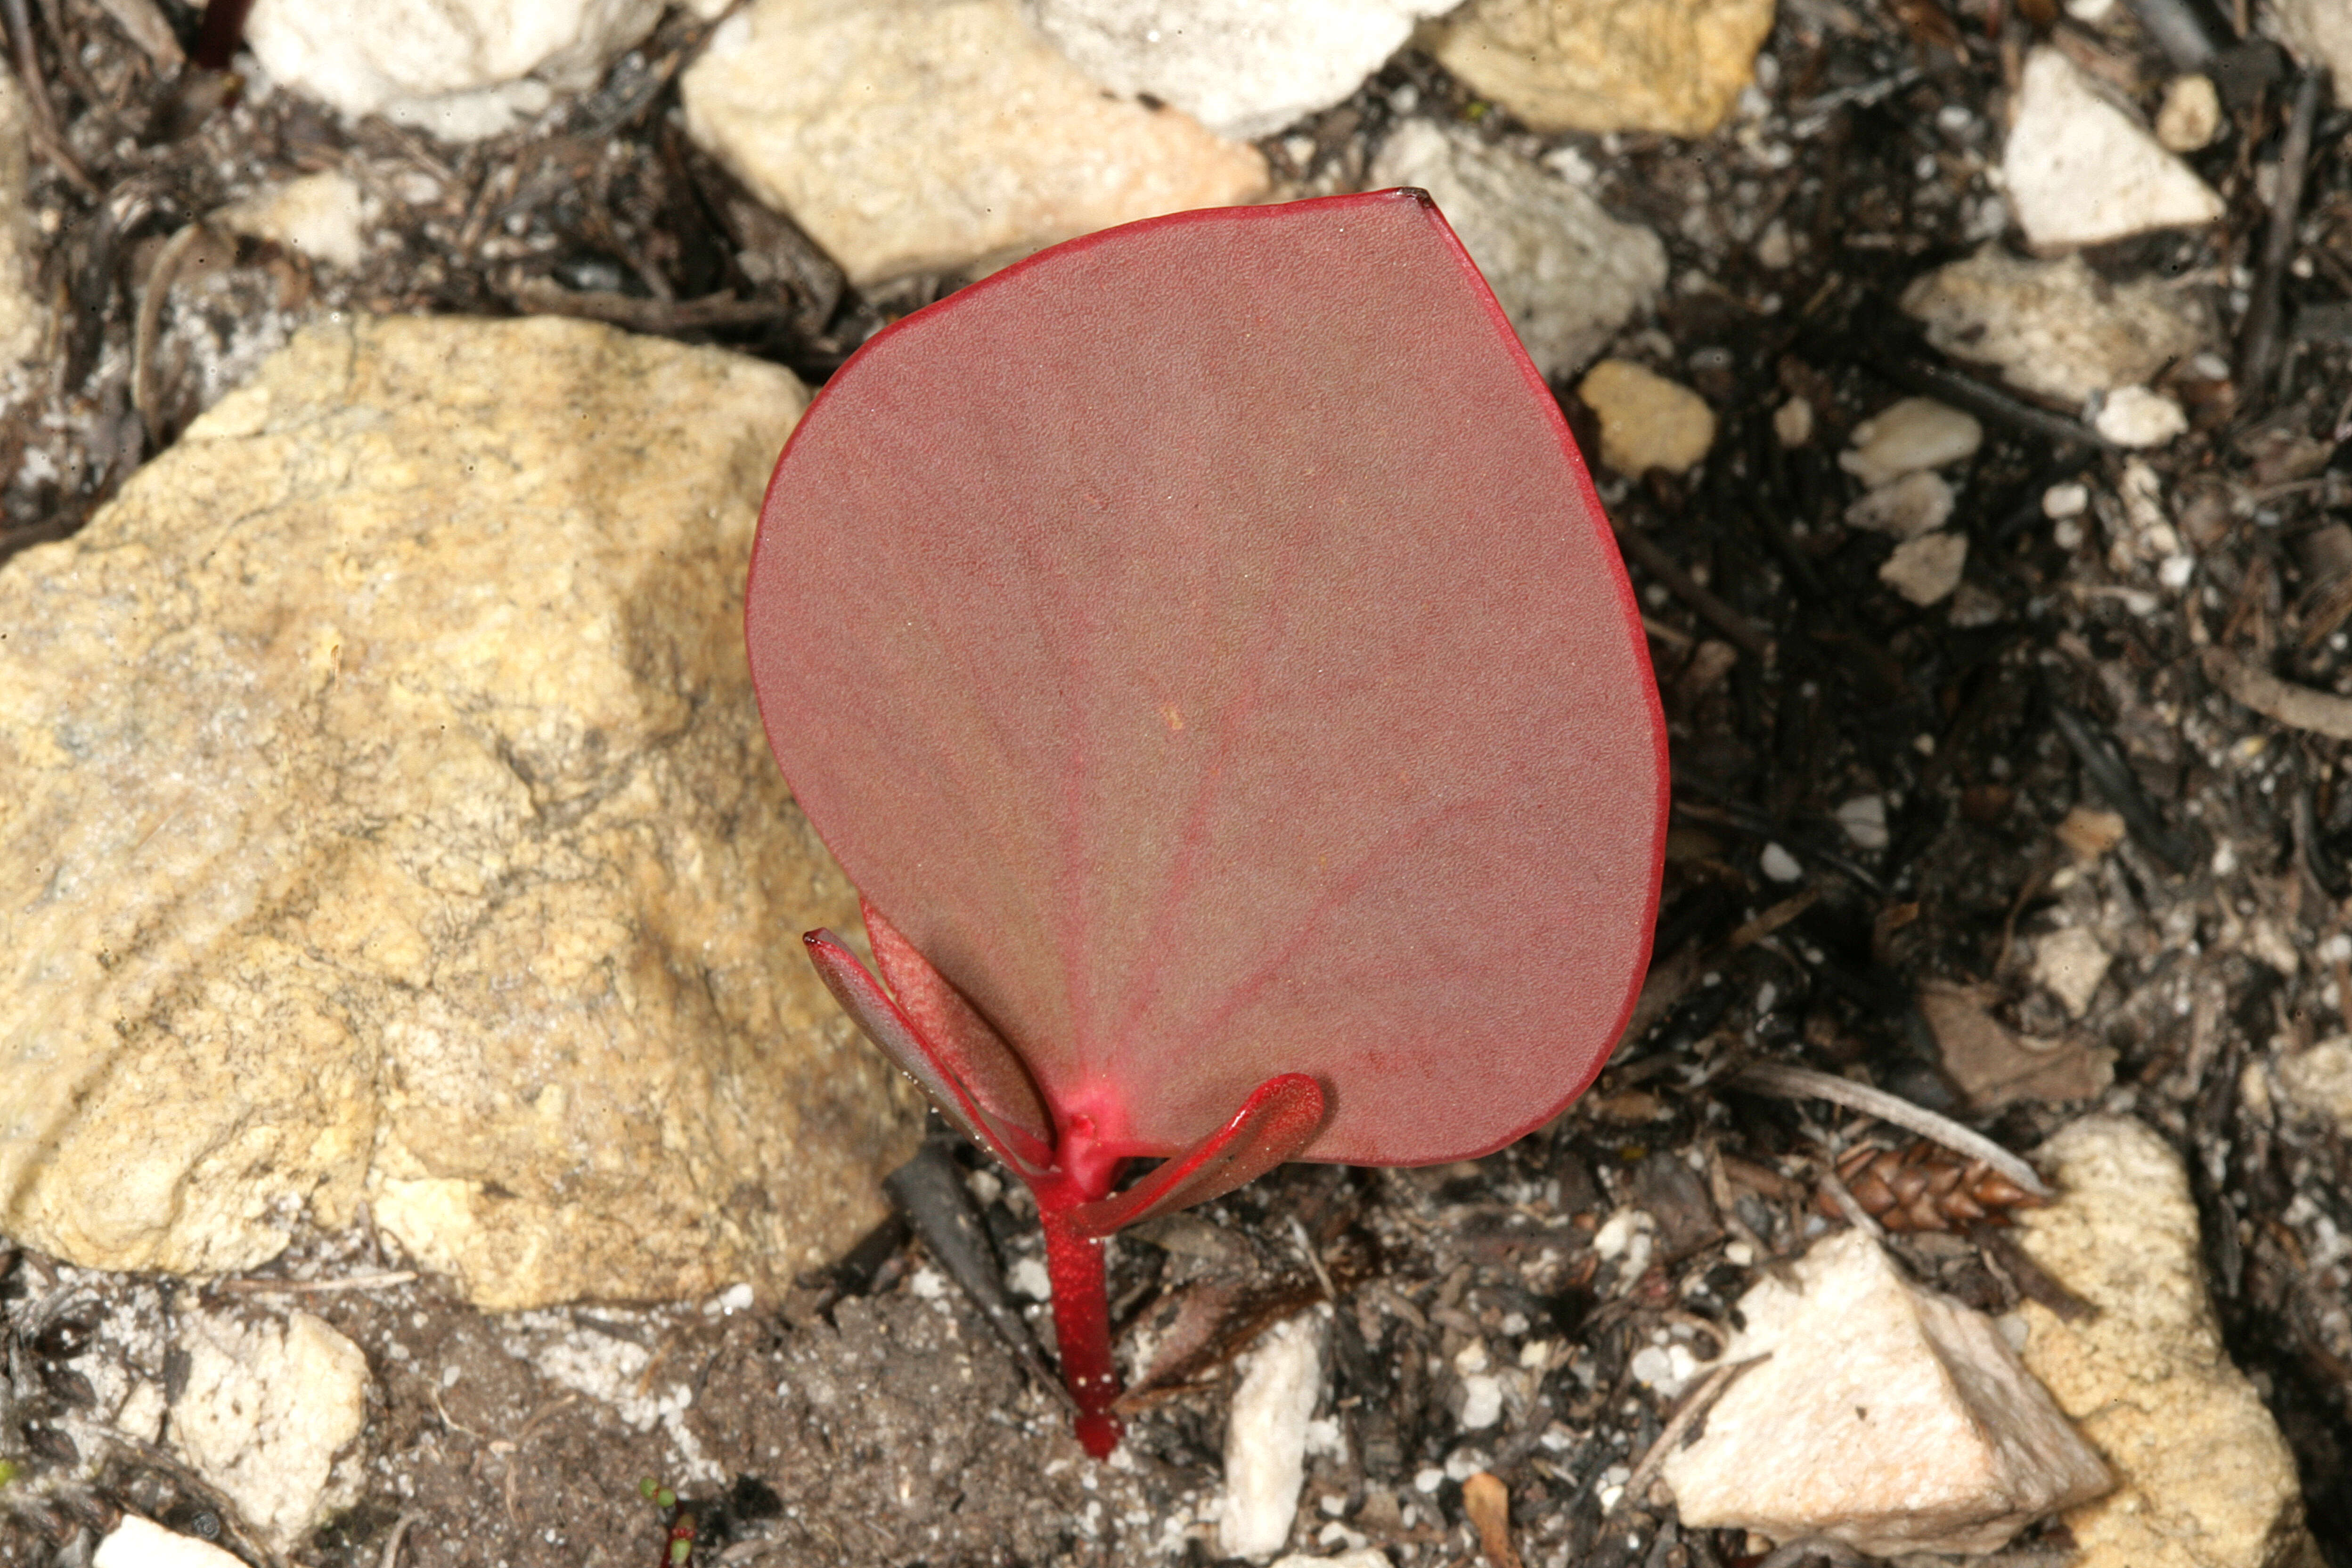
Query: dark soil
[874,1420]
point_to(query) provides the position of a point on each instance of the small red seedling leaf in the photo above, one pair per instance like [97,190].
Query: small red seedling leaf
[1272,1126]
[1204,642]
[884,1023]
[961,1038]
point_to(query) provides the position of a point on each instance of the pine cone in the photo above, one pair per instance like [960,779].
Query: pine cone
[1924,1187]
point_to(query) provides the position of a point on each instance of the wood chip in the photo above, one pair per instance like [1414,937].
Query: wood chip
[1488,1503]
[2297,707]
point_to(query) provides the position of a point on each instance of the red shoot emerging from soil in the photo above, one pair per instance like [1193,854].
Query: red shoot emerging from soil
[1204,643]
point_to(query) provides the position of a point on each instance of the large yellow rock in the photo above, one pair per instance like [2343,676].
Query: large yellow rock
[2205,1481]
[387,817]
[1675,66]
[912,135]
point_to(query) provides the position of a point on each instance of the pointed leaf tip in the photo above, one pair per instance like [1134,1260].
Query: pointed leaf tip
[897,1037]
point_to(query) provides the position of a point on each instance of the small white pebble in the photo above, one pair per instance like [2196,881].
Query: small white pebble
[2068,499]
[1428,1480]
[1909,435]
[1481,1403]
[1029,1277]
[1617,1231]
[1864,820]
[1792,422]
[1571,166]
[2134,416]
[2175,571]
[1780,865]
[1465,1462]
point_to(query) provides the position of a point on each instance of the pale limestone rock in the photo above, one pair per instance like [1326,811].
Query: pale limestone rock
[139,1542]
[1926,569]
[1906,508]
[1647,421]
[1907,436]
[2056,328]
[2070,964]
[1863,818]
[396,823]
[462,69]
[1265,1438]
[911,135]
[2204,1479]
[2321,33]
[1865,1365]
[1675,66]
[23,318]
[2079,170]
[2089,832]
[2319,1081]
[265,1410]
[1567,274]
[1241,68]
[2191,116]
[323,216]
[2136,418]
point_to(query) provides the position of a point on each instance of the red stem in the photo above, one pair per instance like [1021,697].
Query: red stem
[1074,1262]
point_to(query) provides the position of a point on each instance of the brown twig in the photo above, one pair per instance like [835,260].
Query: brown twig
[537,296]
[46,132]
[2260,343]
[1685,587]
[1985,402]
[146,396]
[1850,1206]
[145,25]
[1825,1546]
[2032,1279]
[221,30]
[1796,1083]
[391,1558]
[318,1287]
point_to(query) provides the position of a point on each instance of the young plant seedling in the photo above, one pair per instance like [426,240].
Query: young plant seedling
[1202,646]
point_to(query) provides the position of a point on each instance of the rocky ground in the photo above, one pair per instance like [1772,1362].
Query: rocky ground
[2009,778]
